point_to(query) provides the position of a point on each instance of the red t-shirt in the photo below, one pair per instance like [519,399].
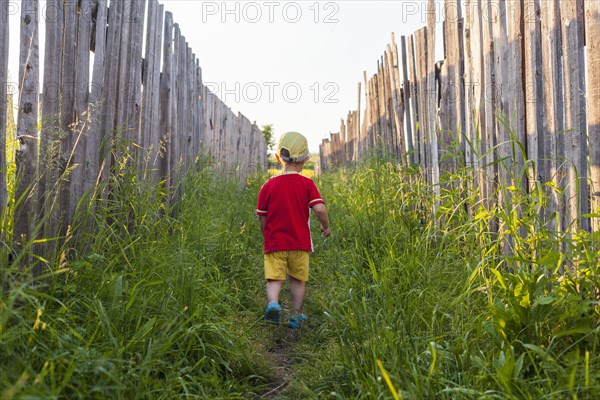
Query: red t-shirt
[285,200]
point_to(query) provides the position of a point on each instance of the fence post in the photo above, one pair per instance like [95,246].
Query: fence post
[27,130]
[4,39]
[592,31]
[166,100]
[575,143]
[534,90]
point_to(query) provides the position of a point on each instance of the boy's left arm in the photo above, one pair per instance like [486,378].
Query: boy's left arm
[261,223]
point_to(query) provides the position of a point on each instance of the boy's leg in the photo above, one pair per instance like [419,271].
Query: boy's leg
[273,289]
[298,289]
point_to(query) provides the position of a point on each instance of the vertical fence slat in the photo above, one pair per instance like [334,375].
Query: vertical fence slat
[534,89]
[174,159]
[397,101]
[80,102]
[67,34]
[516,94]
[488,126]
[592,31]
[27,120]
[202,116]
[148,145]
[189,129]
[95,135]
[134,104]
[421,61]
[357,143]
[155,132]
[166,100]
[554,111]
[431,101]
[49,135]
[575,143]
[406,92]
[123,134]
[110,86]
[414,90]
[455,58]
[4,40]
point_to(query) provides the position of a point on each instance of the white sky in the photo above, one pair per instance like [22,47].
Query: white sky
[293,64]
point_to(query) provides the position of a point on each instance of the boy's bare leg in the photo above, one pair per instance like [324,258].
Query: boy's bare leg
[273,289]
[298,289]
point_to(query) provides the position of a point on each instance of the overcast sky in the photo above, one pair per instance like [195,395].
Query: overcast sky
[295,65]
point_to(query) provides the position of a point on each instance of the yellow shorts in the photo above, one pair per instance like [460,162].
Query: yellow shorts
[294,262]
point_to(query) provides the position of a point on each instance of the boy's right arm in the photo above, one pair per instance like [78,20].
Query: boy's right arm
[321,212]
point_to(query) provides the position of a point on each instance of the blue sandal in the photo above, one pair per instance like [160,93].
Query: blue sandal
[273,312]
[297,320]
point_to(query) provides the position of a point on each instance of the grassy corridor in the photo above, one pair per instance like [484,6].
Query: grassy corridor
[402,304]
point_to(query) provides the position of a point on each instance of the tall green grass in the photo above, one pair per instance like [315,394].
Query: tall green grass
[412,297]
[151,303]
[433,297]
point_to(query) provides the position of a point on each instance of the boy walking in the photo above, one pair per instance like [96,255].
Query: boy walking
[283,215]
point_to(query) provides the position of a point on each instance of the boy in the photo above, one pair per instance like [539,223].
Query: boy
[283,216]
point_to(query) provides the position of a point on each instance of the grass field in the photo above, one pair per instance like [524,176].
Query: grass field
[403,302]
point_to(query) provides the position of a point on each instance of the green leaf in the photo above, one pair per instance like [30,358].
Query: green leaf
[544,300]
[500,278]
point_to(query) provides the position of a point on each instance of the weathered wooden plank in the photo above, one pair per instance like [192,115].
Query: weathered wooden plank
[554,105]
[4,40]
[206,131]
[406,93]
[488,136]
[110,86]
[475,91]
[592,36]
[134,105]
[575,143]
[123,134]
[81,116]
[534,89]
[155,132]
[182,98]
[182,106]
[199,110]
[95,137]
[175,140]
[421,80]
[357,143]
[49,136]
[68,28]
[431,101]
[389,111]
[451,46]
[380,106]
[516,93]
[413,89]
[166,100]
[500,147]
[27,130]
[455,69]
[367,114]
[342,149]
[147,143]
[195,106]
[190,75]
[397,101]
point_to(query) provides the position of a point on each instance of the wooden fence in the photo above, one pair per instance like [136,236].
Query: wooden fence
[511,100]
[105,101]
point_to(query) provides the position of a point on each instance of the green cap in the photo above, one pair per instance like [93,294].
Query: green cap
[293,147]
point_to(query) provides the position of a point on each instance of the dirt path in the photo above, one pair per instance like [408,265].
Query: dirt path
[282,359]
